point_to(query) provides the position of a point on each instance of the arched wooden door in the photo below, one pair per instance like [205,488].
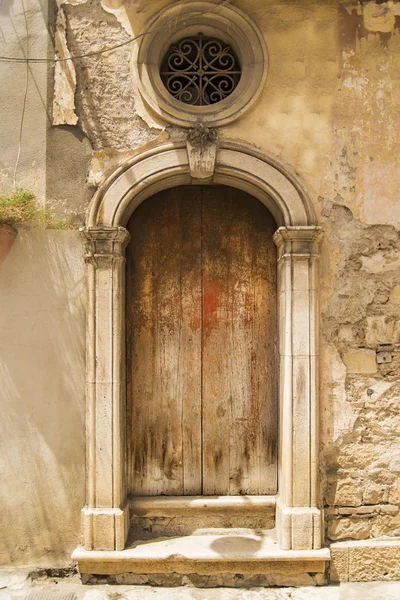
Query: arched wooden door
[201,345]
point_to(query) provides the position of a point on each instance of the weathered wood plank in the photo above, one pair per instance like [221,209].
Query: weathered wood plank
[216,343]
[190,347]
[164,345]
[239,345]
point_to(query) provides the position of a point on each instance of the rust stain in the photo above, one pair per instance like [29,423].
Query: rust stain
[212,295]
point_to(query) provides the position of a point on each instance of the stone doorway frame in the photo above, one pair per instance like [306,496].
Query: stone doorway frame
[105,518]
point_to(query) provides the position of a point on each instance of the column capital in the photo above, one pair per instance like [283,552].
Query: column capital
[105,242]
[301,241]
[301,233]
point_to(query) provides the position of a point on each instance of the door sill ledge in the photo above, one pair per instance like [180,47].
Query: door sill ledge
[166,506]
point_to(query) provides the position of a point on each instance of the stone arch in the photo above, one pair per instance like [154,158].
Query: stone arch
[238,165]
[106,514]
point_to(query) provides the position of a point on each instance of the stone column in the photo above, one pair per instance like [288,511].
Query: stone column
[299,524]
[106,515]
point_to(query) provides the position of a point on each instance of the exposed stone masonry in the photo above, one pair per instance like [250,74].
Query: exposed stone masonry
[104,97]
[362,493]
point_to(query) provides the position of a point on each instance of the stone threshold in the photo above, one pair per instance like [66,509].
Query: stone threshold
[203,554]
[191,506]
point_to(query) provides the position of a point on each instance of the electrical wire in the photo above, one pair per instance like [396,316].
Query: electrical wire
[28,60]
[21,125]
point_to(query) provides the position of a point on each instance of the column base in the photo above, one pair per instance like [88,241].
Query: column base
[298,528]
[105,528]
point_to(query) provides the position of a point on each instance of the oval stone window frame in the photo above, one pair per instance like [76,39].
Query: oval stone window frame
[186,19]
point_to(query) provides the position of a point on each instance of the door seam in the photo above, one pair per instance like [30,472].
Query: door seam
[201,341]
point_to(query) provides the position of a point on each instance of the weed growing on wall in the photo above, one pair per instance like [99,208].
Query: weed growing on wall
[20,208]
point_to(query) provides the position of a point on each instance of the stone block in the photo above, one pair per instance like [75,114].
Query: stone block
[368,510]
[389,509]
[302,531]
[394,297]
[346,334]
[386,524]
[103,532]
[394,493]
[379,330]
[356,528]
[345,511]
[374,561]
[369,560]
[394,465]
[105,529]
[339,565]
[360,361]
[373,493]
[345,492]
[292,575]
[143,528]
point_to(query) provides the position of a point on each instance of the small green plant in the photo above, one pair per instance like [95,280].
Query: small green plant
[20,207]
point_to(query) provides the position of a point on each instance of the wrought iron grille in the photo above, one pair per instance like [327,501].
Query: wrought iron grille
[200,71]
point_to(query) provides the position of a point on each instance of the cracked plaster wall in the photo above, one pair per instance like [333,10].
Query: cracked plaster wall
[329,111]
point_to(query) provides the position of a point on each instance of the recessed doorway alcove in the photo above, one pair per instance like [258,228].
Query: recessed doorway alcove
[202,364]
[190,289]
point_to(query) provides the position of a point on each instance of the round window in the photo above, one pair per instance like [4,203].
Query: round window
[200,62]
[200,71]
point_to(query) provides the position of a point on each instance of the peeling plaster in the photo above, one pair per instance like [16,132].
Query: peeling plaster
[360,425]
[126,14]
[64,76]
[377,16]
[105,97]
[118,9]
[106,160]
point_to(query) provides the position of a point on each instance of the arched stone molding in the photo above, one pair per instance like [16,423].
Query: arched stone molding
[105,517]
[237,164]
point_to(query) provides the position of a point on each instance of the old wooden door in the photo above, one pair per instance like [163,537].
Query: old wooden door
[201,345]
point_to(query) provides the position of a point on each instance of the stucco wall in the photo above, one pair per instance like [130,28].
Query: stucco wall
[35,155]
[29,169]
[330,112]
[42,458]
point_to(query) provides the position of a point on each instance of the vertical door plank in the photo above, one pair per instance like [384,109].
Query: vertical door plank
[239,345]
[190,347]
[216,342]
[164,345]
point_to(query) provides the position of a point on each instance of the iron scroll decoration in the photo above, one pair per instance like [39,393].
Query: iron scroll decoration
[200,71]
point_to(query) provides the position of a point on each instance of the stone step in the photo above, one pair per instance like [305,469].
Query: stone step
[227,553]
[184,515]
